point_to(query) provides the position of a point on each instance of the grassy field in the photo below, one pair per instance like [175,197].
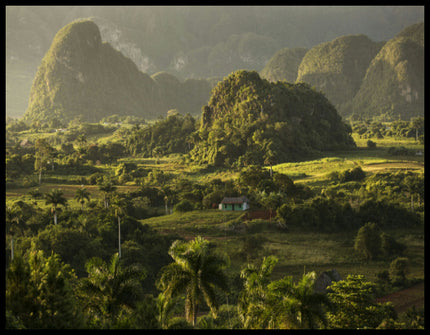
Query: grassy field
[297,251]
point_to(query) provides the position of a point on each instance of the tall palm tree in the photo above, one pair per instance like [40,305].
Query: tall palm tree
[14,220]
[107,188]
[55,198]
[81,195]
[196,272]
[109,288]
[120,210]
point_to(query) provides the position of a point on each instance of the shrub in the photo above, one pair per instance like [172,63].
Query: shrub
[390,247]
[371,144]
[398,270]
[184,206]
[355,174]
[368,241]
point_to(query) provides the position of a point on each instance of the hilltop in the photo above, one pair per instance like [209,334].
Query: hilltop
[338,67]
[361,78]
[82,76]
[394,82]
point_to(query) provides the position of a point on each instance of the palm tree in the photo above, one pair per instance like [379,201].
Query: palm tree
[298,305]
[109,288]
[254,311]
[81,195]
[43,154]
[107,188]
[14,219]
[120,210]
[197,272]
[281,303]
[55,198]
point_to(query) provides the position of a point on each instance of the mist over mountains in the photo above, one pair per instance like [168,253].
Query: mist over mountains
[190,42]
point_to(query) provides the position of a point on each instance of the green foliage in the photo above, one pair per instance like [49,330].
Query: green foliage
[77,61]
[197,271]
[390,247]
[399,64]
[170,135]
[284,65]
[319,214]
[39,293]
[252,246]
[398,270]
[55,198]
[338,67]
[184,206]
[355,174]
[109,288]
[368,241]
[371,144]
[353,305]
[251,121]
[279,304]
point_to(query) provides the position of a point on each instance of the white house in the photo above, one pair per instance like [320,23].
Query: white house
[234,204]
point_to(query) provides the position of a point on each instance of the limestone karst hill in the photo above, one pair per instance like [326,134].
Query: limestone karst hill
[81,75]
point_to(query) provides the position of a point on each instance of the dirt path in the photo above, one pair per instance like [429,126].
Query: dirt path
[405,299]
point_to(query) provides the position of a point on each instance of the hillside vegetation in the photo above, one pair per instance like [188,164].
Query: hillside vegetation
[251,121]
[284,65]
[337,68]
[82,76]
[360,77]
[393,86]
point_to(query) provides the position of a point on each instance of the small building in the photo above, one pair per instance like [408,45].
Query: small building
[234,204]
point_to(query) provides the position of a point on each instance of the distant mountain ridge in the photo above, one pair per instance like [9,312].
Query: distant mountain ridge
[190,41]
[363,78]
[82,76]
[393,86]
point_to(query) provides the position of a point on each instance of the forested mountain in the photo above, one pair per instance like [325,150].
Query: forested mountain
[362,77]
[82,76]
[284,65]
[251,121]
[338,67]
[190,41]
[393,86]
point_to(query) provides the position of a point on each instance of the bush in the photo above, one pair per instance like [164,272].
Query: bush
[390,247]
[184,206]
[368,241]
[398,270]
[371,144]
[355,174]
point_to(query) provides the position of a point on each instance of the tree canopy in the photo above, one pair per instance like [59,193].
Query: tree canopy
[251,121]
